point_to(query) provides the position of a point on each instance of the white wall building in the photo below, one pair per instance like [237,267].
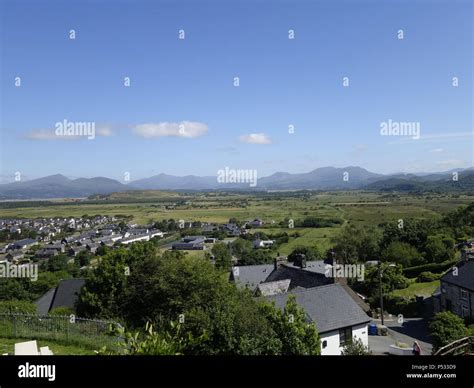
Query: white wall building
[338,317]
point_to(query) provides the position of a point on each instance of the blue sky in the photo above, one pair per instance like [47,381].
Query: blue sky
[190,83]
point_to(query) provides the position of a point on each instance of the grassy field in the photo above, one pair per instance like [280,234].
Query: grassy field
[7,345]
[359,208]
[422,289]
[355,207]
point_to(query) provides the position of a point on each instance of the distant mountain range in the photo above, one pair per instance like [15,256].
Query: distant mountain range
[325,178]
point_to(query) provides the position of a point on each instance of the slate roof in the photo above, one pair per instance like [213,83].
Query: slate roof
[316,266]
[301,277]
[273,288]
[67,293]
[465,275]
[64,295]
[44,302]
[311,276]
[251,275]
[330,307]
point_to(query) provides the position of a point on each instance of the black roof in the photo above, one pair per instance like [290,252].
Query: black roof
[330,306]
[252,275]
[64,295]
[464,277]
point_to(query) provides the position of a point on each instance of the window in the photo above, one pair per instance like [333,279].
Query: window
[345,336]
[464,294]
[325,344]
[464,311]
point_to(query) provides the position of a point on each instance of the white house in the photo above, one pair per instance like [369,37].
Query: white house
[263,243]
[339,319]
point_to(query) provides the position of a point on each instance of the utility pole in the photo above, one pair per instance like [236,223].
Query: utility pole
[380,291]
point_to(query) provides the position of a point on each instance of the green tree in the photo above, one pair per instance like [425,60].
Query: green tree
[222,256]
[311,253]
[104,290]
[445,328]
[17,307]
[439,248]
[355,245]
[355,348]
[297,335]
[57,263]
[161,289]
[241,247]
[392,279]
[402,253]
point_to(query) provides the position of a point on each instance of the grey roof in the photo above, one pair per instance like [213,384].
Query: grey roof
[44,302]
[251,275]
[67,293]
[311,276]
[273,288]
[464,277]
[330,307]
[64,295]
[317,266]
[300,277]
[25,241]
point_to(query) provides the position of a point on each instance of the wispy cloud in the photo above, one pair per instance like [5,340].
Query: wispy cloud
[104,130]
[47,134]
[435,137]
[186,129]
[255,138]
[436,150]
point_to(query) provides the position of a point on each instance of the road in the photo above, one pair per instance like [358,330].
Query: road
[412,329]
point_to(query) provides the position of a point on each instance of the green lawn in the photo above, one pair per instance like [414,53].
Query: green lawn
[424,289]
[7,345]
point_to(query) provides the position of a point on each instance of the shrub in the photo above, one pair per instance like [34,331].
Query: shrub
[17,307]
[445,328]
[356,348]
[62,311]
[413,272]
[426,277]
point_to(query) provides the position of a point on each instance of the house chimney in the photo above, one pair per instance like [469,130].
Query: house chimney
[300,260]
[279,260]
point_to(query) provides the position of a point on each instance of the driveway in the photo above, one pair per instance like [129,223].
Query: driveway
[411,330]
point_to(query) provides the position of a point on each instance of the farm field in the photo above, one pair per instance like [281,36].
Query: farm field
[275,209]
[355,207]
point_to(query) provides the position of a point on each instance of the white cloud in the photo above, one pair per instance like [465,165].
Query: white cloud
[255,138]
[47,134]
[187,129]
[437,150]
[105,130]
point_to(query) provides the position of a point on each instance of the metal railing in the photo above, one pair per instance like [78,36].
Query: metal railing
[68,329]
[458,347]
